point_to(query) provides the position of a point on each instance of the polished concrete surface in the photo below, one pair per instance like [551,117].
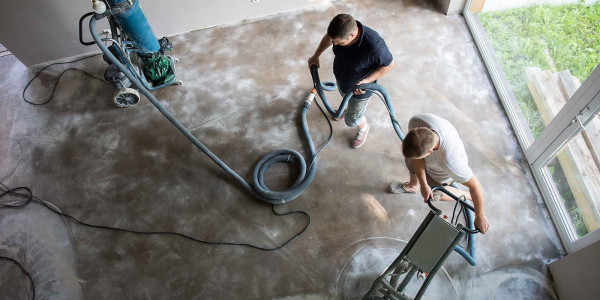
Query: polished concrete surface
[244,85]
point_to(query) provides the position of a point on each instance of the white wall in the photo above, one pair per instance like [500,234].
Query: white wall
[451,7]
[576,275]
[40,31]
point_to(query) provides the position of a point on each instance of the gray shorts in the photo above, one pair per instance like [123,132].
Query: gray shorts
[356,108]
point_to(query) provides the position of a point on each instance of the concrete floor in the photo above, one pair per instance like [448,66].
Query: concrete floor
[244,86]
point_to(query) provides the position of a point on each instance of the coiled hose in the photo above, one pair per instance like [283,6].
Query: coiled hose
[258,189]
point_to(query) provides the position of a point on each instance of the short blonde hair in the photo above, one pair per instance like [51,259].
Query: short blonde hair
[418,142]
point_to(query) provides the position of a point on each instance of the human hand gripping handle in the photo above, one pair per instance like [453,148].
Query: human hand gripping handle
[325,43]
[481,224]
[374,76]
[358,91]
[313,61]
[426,193]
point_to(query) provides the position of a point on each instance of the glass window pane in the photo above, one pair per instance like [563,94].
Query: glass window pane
[546,49]
[575,176]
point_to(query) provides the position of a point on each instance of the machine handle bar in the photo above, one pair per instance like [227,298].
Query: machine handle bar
[459,200]
[80,30]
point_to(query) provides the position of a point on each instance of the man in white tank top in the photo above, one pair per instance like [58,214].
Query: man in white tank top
[435,155]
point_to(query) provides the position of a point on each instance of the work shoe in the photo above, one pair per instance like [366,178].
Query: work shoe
[361,137]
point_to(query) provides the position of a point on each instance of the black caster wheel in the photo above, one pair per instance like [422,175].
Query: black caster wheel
[127,97]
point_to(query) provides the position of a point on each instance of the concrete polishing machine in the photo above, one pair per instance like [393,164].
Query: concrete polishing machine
[134,45]
[427,250]
[137,62]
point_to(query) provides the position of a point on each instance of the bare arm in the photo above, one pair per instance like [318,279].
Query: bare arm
[378,73]
[326,42]
[476,191]
[419,165]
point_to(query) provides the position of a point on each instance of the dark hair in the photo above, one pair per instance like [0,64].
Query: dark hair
[418,142]
[341,26]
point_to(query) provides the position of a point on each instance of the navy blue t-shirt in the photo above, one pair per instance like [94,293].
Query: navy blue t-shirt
[355,62]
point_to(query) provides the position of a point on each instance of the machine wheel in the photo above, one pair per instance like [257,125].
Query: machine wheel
[175,60]
[127,97]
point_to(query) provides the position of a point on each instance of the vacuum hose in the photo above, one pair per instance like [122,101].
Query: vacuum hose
[259,189]
[365,86]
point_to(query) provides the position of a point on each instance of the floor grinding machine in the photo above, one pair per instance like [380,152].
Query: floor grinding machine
[133,43]
[427,250]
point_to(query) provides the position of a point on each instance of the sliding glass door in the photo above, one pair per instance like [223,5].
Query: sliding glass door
[565,163]
[543,59]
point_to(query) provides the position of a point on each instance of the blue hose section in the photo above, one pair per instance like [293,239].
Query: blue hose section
[470,255]
[134,24]
[470,236]
[259,189]
[367,86]
[463,253]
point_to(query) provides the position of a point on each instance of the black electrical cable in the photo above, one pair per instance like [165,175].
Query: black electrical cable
[24,271]
[30,197]
[56,82]
[12,191]
[462,212]
[453,213]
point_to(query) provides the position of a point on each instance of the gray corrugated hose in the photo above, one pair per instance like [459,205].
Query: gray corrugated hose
[259,189]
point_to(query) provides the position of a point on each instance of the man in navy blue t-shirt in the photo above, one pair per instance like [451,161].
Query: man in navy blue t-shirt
[361,56]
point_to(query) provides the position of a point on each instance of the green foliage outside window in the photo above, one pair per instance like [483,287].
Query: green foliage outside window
[555,38]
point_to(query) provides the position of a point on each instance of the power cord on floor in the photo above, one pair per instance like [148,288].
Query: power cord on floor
[28,195]
[24,271]
[59,76]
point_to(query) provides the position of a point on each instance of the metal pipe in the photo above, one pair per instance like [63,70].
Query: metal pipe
[407,279]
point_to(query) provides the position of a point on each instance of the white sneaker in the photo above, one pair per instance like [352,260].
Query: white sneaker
[361,137]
